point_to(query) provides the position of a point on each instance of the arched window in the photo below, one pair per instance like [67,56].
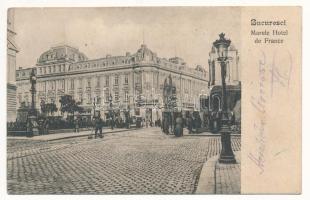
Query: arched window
[72,84]
[107,81]
[116,80]
[98,81]
[89,82]
[126,79]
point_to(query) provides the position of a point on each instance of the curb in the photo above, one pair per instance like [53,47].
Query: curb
[72,136]
[206,183]
[211,135]
[75,136]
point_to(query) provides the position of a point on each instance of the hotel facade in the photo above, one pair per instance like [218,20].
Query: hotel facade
[134,81]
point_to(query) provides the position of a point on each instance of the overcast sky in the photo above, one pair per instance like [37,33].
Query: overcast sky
[184,32]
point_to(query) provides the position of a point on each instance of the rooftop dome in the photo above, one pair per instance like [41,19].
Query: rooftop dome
[60,54]
[144,49]
[145,54]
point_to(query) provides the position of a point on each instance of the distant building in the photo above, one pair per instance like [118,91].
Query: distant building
[12,49]
[135,81]
[233,71]
[233,81]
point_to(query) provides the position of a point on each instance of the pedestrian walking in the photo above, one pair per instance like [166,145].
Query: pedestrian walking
[166,124]
[77,125]
[147,123]
[41,126]
[112,123]
[98,127]
[190,124]
[159,123]
[46,126]
[127,121]
[29,128]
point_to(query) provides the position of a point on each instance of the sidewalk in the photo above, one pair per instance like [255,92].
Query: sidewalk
[217,178]
[59,136]
[208,134]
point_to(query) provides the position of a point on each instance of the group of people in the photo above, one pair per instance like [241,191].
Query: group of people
[170,125]
[110,122]
[97,124]
[43,126]
[175,122]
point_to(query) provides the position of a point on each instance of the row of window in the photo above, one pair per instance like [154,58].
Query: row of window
[51,85]
[98,81]
[51,69]
[89,98]
[57,55]
[98,100]
[128,61]
[103,64]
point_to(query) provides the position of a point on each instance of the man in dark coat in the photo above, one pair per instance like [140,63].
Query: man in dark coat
[190,124]
[127,121]
[166,124]
[112,122]
[29,128]
[98,127]
[77,125]
[46,126]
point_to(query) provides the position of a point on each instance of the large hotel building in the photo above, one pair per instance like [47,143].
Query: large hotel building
[128,79]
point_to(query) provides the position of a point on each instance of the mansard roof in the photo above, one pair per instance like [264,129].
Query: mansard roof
[61,53]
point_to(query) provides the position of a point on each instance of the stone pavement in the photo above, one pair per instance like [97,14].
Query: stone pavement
[228,176]
[144,161]
[218,178]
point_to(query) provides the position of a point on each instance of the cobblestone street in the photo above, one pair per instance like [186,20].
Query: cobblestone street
[143,161]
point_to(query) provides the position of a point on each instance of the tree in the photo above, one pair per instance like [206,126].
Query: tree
[47,108]
[69,105]
[51,108]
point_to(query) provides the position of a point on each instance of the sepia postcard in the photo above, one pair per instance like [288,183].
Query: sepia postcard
[154,100]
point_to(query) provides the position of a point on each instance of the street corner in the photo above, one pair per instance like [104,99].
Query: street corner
[206,183]
[219,178]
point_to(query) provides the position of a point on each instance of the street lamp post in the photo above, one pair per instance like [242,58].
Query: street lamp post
[127,114]
[227,155]
[32,114]
[110,101]
[110,112]
[94,107]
